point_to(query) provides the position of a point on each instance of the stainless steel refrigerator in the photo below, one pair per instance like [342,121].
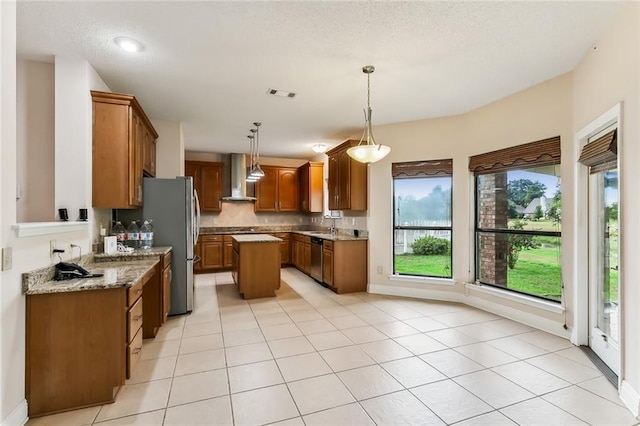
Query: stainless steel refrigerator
[173,206]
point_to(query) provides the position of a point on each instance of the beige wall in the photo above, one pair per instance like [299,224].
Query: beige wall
[169,149]
[607,75]
[35,147]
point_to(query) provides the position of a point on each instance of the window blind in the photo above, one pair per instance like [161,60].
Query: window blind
[422,168]
[545,152]
[601,154]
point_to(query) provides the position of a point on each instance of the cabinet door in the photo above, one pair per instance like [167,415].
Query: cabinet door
[344,181]
[303,182]
[300,256]
[210,189]
[211,255]
[193,170]
[166,292]
[285,249]
[267,190]
[228,252]
[149,144]
[307,258]
[288,190]
[327,267]
[136,146]
[333,182]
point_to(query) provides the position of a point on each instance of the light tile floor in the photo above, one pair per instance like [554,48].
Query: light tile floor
[311,357]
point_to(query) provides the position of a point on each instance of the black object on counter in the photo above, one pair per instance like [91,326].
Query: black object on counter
[69,271]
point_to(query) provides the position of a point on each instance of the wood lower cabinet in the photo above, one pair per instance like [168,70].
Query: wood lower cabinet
[228,251]
[327,262]
[345,268]
[123,150]
[301,252]
[81,346]
[211,252]
[347,186]
[167,275]
[285,247]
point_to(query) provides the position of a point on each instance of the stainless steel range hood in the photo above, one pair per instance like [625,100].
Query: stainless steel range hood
[234,175]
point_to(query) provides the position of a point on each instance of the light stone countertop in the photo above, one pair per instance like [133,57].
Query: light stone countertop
[256,238]
[137,254]
[116,274]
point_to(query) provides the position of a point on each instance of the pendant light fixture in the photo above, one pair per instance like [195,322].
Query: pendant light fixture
[256,171]
[251,178]
[367,150]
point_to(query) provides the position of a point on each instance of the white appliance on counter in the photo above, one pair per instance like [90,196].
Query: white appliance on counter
[173,206]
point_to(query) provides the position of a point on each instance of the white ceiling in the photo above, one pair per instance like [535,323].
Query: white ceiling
[209,64]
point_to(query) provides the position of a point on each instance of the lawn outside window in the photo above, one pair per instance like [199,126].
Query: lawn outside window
[518,219]
[422,195]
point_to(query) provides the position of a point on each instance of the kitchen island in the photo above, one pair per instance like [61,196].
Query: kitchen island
[256,265]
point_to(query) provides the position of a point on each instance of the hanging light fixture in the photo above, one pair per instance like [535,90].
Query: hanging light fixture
[251,178]
[256,171]
[369,151]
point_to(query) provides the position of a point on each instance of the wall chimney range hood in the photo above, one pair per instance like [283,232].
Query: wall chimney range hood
[234,175]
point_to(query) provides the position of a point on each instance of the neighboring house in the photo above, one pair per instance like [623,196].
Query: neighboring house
[530,210]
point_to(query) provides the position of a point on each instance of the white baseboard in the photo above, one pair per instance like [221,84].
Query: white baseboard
[495,307]
[630,397]
[18,417]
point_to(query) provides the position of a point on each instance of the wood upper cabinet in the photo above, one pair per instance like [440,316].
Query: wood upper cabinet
[347,186]
[119,129]
[277,190]
[149,164]
[310,176]
[207,181]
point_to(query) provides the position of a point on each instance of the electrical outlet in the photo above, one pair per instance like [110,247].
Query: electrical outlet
[353,220]
[379,270]
[7,258]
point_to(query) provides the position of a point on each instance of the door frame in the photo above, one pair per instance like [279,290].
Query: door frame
[581,329]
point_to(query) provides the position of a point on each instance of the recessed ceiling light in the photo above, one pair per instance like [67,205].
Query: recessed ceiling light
[128,44]
[281,93]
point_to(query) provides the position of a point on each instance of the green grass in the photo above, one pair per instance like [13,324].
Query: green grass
[434,265]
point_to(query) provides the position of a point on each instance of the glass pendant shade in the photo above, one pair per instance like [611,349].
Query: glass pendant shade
[367,150]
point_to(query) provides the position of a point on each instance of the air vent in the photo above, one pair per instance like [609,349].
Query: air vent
[281,93]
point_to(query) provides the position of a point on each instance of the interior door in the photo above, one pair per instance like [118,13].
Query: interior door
[604,331]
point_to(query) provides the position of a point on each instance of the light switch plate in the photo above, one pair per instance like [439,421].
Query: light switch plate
[7,258]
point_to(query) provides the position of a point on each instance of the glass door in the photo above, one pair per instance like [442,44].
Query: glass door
[603,267]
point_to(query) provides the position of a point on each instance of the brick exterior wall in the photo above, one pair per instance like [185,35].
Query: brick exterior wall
[493,213]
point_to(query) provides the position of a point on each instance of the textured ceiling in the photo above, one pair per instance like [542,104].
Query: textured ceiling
[210,64]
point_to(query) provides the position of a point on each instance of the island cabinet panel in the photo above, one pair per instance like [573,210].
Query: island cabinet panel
[256,268]
[277,190]
[311,177]
[207,181]
[347,186]
[76,346]
[228,251]
[123,150]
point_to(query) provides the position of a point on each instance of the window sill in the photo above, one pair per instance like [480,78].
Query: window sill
[33,229]
[552,307]
[422,280]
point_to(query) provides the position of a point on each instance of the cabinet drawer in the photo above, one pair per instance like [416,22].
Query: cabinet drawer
[227,238]
[327,244]
[134,353]
[134,319]
[135,291]
[166,260]
[210,238]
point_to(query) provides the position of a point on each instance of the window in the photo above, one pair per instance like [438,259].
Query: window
[518,219]
[422,218]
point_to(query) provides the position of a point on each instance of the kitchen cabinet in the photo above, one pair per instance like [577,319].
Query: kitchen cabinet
[157,297]
[167,275]
[211,252]
[311,177]
[277,190]
[120,128]
[82,345]
[228,251]
[345,267]
[327,262]
[301,252]
[285,246]
[207,181]
[347,186]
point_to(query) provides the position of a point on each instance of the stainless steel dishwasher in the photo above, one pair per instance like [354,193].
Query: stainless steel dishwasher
[316,259]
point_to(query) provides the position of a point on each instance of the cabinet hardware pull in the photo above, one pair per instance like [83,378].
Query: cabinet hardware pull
[136,351]
[139,291]
[137,318]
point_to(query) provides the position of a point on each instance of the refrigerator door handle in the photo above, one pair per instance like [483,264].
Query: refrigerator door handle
[196,259]
[196,233]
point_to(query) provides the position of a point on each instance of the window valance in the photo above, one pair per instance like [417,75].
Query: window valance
[601,154]
[545,152]
[422,168]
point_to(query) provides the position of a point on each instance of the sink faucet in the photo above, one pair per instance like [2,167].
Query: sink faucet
[332,229]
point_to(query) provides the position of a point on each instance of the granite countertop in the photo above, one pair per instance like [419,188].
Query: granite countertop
[134,255]
[116,274]
[256,238]
[323,233]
